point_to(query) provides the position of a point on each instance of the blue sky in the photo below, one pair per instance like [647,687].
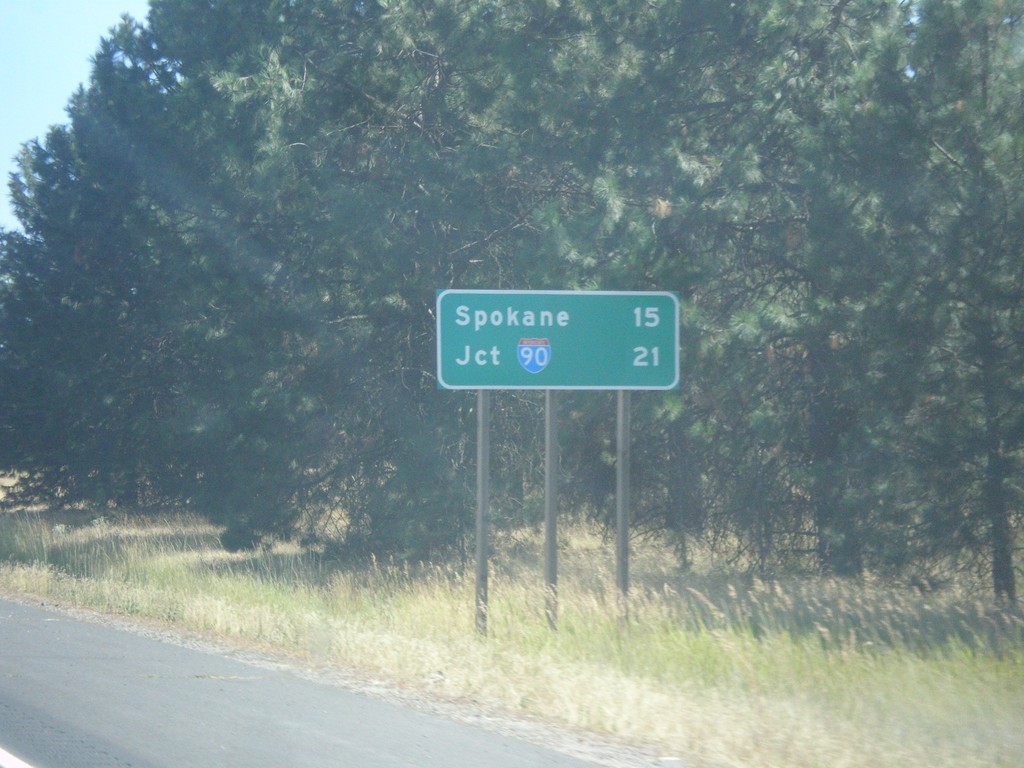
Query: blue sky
[45,51]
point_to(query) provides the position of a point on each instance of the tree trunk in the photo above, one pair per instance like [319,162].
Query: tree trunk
[997,468]
[839,545]
[1003,578]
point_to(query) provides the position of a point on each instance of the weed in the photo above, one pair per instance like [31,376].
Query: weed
[718,670]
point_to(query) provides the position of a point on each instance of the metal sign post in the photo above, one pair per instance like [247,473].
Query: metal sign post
[622,460]
[551,508]
[483,500]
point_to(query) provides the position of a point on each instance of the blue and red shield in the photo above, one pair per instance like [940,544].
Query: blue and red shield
[534,354]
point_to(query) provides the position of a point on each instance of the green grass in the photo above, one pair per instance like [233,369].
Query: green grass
[717,671]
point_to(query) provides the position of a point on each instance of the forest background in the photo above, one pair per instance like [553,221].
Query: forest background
[222,296]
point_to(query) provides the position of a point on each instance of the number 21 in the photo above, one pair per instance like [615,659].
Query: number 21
[645,356]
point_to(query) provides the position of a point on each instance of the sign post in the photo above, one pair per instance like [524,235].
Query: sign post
[622,460]
[483,500]
[551,340]
[551,507]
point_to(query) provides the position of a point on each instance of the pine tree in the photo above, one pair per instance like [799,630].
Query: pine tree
[967,72]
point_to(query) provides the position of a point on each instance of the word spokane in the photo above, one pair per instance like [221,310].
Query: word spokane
[510,317]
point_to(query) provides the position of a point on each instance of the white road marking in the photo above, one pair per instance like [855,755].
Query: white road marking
[7,760]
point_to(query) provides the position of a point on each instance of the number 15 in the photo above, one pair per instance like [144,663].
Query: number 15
[646,317]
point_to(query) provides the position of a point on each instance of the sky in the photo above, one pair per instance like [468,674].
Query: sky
[45,52]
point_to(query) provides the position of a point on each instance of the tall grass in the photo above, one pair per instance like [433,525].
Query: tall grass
[715,670]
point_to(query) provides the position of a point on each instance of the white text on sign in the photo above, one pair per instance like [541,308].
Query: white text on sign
[480,356]
[480,318]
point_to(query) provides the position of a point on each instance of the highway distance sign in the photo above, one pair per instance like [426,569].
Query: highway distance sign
[557,339]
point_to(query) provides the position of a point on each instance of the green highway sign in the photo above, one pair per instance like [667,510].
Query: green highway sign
[557,339]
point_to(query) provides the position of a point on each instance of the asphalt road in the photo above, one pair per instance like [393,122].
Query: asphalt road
[79,694]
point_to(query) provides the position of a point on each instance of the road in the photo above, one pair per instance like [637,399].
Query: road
[84,694]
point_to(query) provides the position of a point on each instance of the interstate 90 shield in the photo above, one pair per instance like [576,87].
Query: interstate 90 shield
[534,354]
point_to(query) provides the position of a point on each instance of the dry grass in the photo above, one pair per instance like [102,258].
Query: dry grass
[718,672]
